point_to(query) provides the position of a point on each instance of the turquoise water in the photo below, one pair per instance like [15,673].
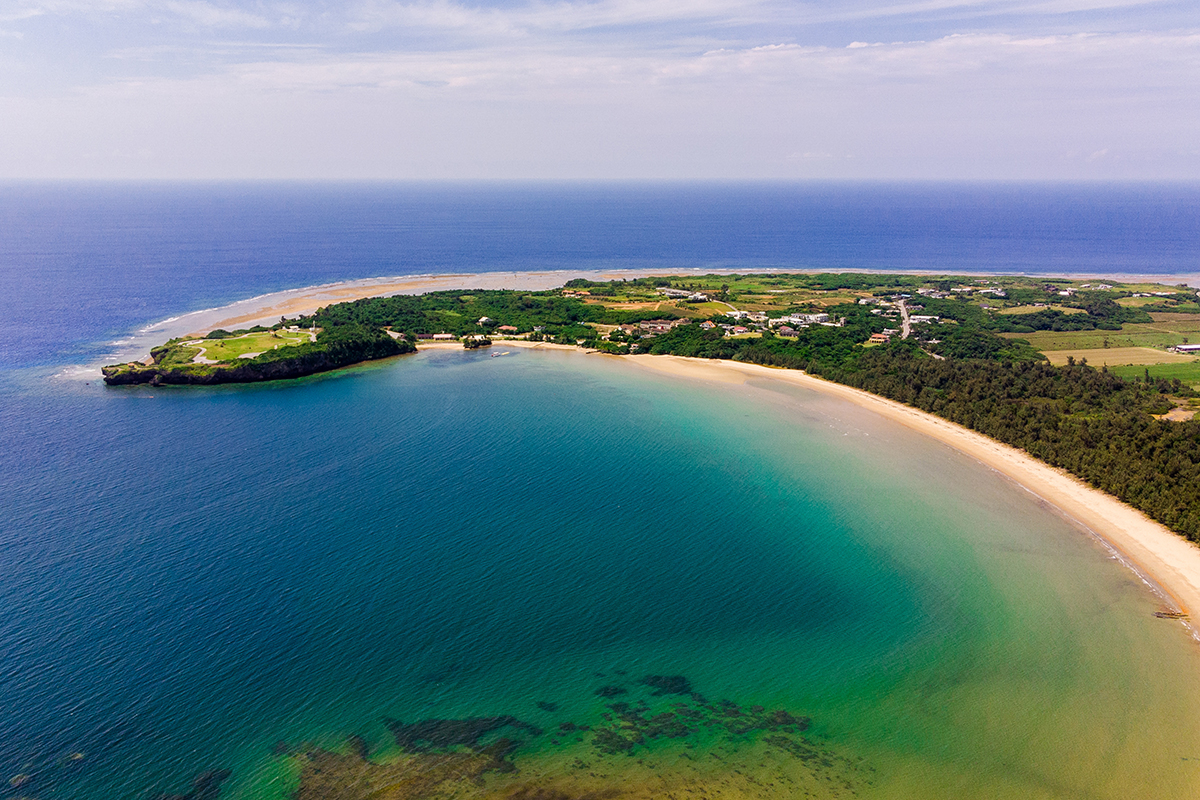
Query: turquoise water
[195,575]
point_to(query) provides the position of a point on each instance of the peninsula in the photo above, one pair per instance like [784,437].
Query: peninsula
[257,354]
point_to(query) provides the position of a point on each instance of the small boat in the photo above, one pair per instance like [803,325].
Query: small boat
[1170,613]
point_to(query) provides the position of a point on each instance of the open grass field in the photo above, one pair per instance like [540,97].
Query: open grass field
[1150,334]
[1035,309]
[1188,373]
[230,349]
[1114,356]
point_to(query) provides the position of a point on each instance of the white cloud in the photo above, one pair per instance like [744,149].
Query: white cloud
[198,12]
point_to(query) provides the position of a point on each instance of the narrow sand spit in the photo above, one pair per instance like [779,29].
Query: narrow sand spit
[269,308]
[1167,561]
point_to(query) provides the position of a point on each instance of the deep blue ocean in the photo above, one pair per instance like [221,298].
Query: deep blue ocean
[84,264]
[189,576]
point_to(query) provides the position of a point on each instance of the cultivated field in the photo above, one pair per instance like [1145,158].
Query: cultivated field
[1149,334]
[1114,356]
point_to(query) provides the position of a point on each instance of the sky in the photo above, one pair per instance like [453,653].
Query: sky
[602,89]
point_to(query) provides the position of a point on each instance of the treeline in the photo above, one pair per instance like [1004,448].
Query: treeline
[459,313]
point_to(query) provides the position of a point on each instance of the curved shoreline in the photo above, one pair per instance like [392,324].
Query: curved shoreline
[1166,562]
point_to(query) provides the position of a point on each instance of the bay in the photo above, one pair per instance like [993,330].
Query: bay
[195,575]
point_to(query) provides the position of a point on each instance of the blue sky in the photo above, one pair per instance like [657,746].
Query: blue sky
[614,89]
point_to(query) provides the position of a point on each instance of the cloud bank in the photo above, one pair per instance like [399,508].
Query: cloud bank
[728,89]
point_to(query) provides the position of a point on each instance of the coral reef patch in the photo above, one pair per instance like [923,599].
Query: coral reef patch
[666,740]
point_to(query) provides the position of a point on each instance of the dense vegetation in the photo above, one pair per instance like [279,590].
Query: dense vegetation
[459,313]
[334,348]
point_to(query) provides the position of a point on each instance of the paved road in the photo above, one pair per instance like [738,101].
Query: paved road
[905,325]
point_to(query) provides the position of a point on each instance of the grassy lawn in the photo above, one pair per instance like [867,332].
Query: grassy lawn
[1114,356]
[230,349]
[1188,373]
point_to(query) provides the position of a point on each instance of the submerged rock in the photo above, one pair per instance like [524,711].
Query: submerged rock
[667,684]
[439,734]
[206,786]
